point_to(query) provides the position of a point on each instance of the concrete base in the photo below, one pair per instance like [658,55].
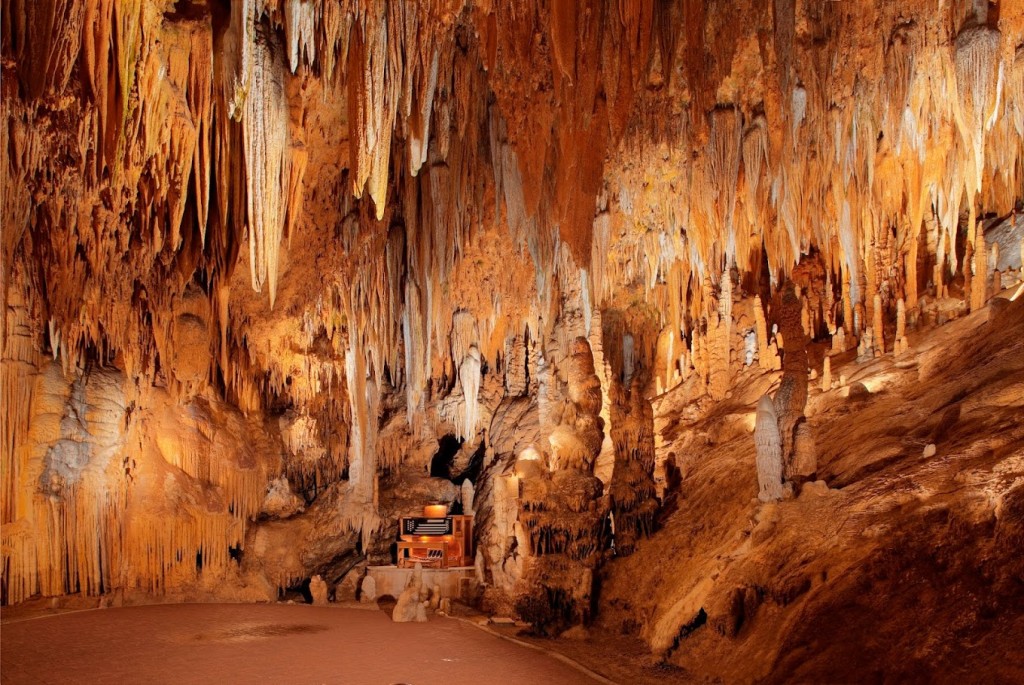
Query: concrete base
[454,582]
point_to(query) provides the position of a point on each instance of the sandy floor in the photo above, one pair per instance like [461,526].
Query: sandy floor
[238,643]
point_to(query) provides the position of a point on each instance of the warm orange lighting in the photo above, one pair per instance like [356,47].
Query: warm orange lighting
[434,511]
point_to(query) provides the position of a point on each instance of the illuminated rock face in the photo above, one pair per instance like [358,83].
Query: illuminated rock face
[265,261]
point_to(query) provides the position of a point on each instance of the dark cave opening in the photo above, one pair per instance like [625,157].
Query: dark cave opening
[441,463]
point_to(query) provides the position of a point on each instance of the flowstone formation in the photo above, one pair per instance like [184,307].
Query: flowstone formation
[632,490]
[561,509]
[791,397]
[277,273]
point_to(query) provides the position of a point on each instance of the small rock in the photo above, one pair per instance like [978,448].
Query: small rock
[576,633]
[858,389]
[929,450]
[503,620]
[435,598]
[818,488]
[368,590]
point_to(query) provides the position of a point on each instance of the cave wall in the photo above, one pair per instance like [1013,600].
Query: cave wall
[310,239]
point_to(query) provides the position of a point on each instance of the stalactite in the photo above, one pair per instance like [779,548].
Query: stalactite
[515,366]
[724,156]
[720,340]
[755,151]
[239,46]
[767,354]
[977,49]
[469,378]
[267,164]
[300,31]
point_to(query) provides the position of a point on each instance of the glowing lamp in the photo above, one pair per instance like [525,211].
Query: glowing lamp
[435,511]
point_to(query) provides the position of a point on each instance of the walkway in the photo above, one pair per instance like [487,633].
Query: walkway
[265,643]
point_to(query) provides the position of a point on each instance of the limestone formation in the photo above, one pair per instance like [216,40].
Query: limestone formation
[412,603]
[839,341]
[280,501]
[632,488]
[561,513]
[791,397]
[769,451]
[318,589]
[767,354]
[804,464]
[434,603]
[866,346]
[468,494]
[277,273]
[368,589]
[878,327]
[980,279]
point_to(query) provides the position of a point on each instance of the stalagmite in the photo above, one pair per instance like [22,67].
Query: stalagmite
[877,326]
[826,375]
[318,589]
[839,341]
[980,279]
[769,451]
[791,397]
[468,494]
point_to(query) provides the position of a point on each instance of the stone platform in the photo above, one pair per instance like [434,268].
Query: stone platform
[454,582]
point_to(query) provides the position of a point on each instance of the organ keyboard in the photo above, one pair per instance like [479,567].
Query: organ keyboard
[435,542]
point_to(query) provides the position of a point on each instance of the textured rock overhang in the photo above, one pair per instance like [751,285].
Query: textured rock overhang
[413,190]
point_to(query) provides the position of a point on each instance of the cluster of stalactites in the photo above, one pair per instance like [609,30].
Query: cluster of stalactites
[396,61]
[942,127]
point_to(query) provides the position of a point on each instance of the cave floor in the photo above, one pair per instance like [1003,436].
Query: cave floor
[269,643]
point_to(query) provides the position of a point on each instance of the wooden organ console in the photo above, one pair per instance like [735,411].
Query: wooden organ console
[435,541]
